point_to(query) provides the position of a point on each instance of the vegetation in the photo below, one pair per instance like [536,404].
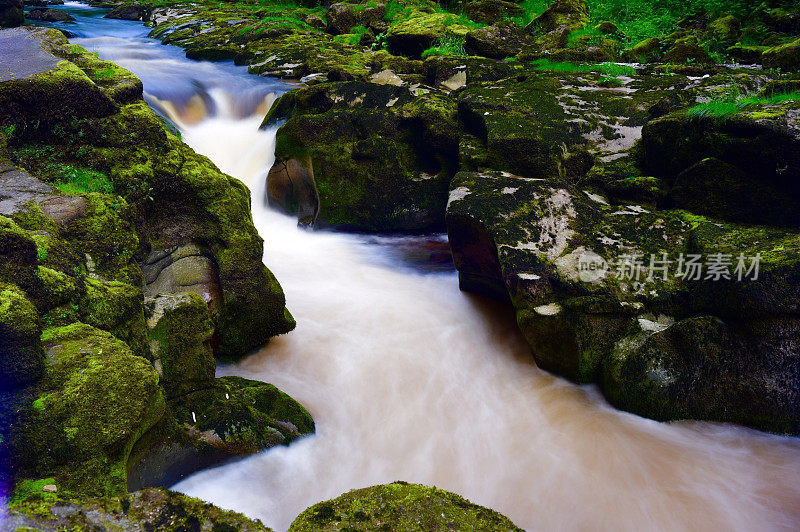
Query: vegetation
[446,46]
[733,104]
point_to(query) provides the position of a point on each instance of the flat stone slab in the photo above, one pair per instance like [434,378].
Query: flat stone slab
[18,187]
[23,55]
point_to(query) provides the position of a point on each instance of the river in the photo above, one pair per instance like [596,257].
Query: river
[410,379]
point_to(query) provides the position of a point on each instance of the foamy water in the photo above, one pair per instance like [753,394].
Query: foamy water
[410,379]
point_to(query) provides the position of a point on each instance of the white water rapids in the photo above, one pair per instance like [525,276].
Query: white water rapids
[410,379]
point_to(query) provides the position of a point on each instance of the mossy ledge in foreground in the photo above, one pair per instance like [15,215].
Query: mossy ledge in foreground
[126,260]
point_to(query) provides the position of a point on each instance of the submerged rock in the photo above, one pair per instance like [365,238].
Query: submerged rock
[399,506]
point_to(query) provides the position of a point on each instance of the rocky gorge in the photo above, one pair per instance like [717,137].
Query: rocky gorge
[131,263]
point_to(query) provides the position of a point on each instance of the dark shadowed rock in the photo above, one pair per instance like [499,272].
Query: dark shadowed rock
[130,12]
[11,13]
[50,15]
[492,11]
[503,39]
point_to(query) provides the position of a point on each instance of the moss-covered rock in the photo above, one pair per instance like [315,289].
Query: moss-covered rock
[239,416]
[492,11]
[415,34]
[149,509]
[570,14]
[11,13]
[364,156]
[21,354]
[95,400]
[647,51]
[703,368]
[399,505]
[785,56]
[502,39]
[180,331]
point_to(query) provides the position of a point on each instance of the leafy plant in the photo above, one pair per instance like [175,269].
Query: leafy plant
[729,104]
[446,46]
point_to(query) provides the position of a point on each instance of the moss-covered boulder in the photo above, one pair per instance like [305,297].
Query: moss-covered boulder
[149,509]
[704,368]
[399,505]
[583,272]
[152,193]
[239,416]
[180,332]
[785,56]
[364,156]
[21,354]
[646,51]
[492,11]
[569,14]
[413,35]
[747,161]
[11,13]
[95,400]
[498,41]
[724,30]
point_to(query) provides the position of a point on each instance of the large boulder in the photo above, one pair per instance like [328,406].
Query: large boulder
[501,40]
[571,15]
[415,34]
[11,13]
[492,11]
[130,12]
[48,14]
[341,17]
[402,506]
[95,400]
[364,156]
[21,354]
[785,56]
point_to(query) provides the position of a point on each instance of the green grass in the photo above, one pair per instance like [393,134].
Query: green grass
[446,46]
[730,105]
[82,181]
[608,69]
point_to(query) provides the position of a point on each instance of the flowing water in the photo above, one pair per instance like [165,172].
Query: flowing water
[410,379]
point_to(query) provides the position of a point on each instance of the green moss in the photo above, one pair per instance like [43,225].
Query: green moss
[401,506]
[83,181]
[95,401]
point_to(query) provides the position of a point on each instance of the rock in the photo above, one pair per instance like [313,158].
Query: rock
[335,167]
[386,77]
[703,368]
[343,17]
[186,268]
[117,308]
[570,14]
[239,416]
[43,3]
[761,142]
[95,401]
[11,13]
[50,488]
[50,15]
[147,509]
[503,39]
[608,27]
[412,36]
[405,506]
[180,332]
[779,18]
[785,57]
[647,51]
[21,354]
[720,190]
[725,29]
[747,55]
[687,51]
[130,12]
[492,11]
